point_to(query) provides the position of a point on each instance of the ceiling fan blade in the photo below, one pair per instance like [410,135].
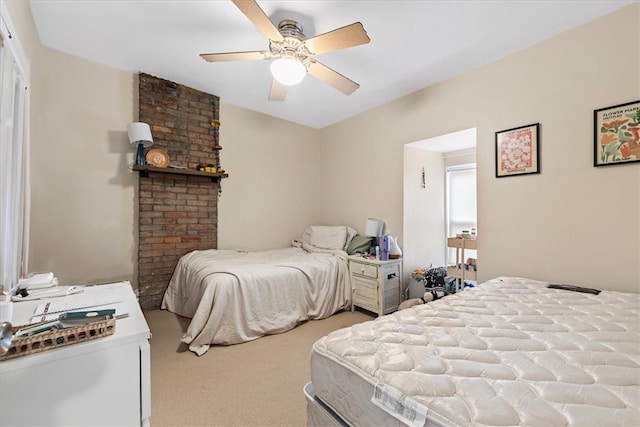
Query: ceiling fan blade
[332,78]
[260,19]
[342,38]
[278,91]
[235,56]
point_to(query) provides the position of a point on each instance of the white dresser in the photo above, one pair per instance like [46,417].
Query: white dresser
[376,285]
[102,382]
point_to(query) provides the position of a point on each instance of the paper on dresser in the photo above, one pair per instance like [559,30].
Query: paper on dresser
[47,293]
[38,280]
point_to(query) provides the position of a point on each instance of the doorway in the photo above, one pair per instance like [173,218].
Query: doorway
[424,198]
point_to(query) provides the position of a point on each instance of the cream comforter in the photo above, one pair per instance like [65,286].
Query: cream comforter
[236,296]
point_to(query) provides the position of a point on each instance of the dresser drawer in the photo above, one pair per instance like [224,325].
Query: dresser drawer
[365,294]
[455,242]
[365,270]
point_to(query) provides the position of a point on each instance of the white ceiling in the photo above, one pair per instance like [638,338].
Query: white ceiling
[414,43]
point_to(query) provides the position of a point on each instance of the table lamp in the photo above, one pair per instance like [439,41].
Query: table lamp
[374,229]
[140,137]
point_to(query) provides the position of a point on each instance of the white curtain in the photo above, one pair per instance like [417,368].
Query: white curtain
[14,189]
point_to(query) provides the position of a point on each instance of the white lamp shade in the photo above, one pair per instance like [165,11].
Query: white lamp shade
[374,227]
[140,133]
[288,71]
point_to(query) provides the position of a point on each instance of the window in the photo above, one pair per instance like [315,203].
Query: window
[461,204]
[13,158]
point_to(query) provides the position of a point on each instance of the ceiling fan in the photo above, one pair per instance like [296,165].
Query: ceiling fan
[292,52]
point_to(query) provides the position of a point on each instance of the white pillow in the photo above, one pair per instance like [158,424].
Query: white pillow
[328,237]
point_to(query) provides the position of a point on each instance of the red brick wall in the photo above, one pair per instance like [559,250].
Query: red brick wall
[177,213]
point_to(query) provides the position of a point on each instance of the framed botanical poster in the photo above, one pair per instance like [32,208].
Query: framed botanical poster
[616,134]
[517,151]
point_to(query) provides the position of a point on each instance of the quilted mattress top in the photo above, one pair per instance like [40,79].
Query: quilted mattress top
[509,352]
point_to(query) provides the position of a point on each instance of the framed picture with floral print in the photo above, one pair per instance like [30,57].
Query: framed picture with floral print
[616,134]
[517,151]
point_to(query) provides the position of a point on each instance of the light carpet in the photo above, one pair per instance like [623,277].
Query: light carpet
[258,383]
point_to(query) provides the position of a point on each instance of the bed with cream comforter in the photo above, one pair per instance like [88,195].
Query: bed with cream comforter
[235,296]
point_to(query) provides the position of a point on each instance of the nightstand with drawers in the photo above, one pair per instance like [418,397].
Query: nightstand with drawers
[376,285]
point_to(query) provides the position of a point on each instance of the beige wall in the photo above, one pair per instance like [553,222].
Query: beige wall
[572,223]
[84,196]
[424,212]
[274,183]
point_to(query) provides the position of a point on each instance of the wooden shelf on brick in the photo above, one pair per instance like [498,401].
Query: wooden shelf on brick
[144,171]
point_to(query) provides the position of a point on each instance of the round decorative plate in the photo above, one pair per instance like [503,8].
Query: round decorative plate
[157,158]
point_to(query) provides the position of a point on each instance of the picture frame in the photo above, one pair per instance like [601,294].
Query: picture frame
[616,134]
[518,151]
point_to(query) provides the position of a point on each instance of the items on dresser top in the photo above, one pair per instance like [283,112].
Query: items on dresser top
[80,384]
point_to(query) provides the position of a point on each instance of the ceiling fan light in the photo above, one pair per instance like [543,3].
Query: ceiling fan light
[288,71]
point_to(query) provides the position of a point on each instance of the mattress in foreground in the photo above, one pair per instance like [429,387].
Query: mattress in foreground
[235,296]
[509,352]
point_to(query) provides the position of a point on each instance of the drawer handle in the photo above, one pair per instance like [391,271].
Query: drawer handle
[392,276]
[362,271]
